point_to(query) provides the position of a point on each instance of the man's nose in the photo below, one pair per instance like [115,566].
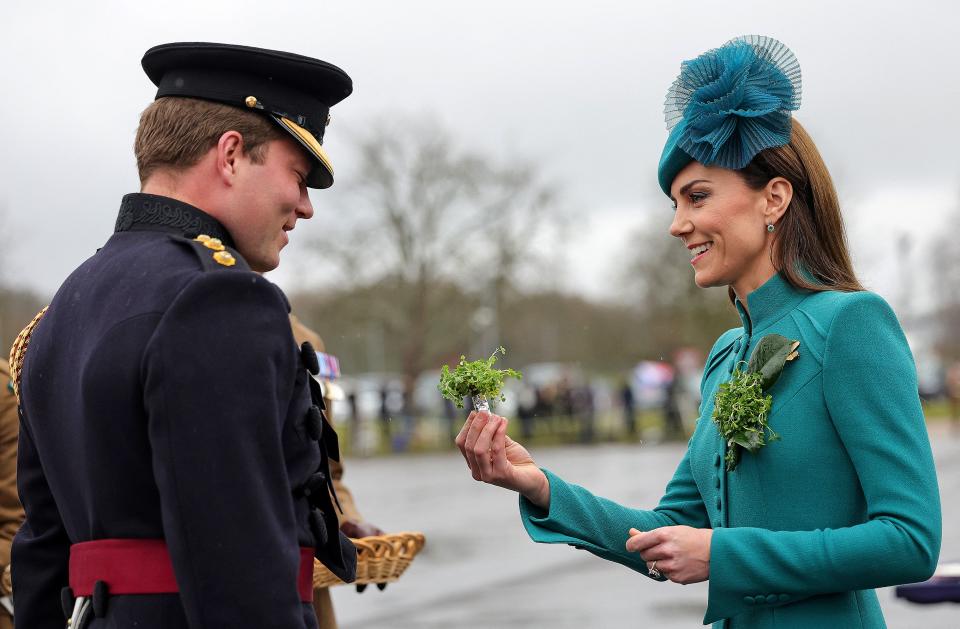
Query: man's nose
[305,207]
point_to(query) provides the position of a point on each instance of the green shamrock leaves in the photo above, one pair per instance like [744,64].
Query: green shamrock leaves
[742,406]
[475,378]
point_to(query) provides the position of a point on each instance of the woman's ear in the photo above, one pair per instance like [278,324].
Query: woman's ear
[778,193]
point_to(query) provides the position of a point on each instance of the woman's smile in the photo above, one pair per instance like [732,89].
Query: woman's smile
[700,250]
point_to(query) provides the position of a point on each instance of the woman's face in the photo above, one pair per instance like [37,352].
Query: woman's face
[723,223]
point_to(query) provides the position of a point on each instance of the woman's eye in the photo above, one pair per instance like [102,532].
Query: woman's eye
[698,197]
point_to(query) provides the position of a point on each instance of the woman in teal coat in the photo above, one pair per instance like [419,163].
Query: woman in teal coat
[797,507]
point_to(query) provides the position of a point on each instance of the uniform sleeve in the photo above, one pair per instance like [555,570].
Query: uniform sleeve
[583,520]
[11,513]
[218,376]
[870,389]
[41,547]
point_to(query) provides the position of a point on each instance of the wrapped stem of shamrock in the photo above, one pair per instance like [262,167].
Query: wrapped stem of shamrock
[478,378]
[742,406]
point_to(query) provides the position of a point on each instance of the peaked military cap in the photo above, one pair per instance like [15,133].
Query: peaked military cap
[294,91]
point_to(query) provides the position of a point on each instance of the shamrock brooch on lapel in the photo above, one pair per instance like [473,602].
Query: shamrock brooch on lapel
[742,407]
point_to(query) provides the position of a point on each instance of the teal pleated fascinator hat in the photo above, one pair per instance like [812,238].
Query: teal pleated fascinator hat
[729,104]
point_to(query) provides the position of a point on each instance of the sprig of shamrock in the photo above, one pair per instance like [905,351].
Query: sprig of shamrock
[475,378]
[742,407]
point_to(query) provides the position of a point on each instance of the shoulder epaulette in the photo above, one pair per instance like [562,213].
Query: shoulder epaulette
[19,352]
[214,255]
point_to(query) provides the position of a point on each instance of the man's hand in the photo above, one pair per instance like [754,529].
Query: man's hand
[681,553]
[354,529]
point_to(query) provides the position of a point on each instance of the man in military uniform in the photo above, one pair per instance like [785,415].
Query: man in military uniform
[11,513]
[174,454]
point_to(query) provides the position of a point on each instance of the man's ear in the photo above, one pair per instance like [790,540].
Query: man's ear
[778,194]
[229,153]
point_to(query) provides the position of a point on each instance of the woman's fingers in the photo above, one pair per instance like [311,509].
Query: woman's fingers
[483,446]
[657,553]
[476,426]
[501,467]
[461,439]
[498,450]
[641,541]
[681,553]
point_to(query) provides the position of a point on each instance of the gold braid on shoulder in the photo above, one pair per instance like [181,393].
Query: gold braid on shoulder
[19,351]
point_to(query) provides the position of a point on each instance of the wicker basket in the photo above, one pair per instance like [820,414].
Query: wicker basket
[380,559]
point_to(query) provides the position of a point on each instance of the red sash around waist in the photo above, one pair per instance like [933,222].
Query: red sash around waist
[143,566]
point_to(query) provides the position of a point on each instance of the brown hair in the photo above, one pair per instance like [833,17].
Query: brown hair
[810,243]
[175,132]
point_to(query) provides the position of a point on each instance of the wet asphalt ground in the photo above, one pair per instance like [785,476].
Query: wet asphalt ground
[480,570]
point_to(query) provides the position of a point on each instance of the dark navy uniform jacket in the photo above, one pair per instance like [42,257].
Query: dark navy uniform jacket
[163,396]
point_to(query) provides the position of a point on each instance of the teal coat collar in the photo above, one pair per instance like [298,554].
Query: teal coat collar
[769,303]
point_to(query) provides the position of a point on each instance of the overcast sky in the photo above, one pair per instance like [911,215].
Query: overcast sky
[576,86]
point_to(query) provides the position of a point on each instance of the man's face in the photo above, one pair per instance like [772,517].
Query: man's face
[267,200]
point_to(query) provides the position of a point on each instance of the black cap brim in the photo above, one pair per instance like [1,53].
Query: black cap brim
[321,175]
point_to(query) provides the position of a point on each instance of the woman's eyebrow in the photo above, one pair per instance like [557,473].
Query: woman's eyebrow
[687,186]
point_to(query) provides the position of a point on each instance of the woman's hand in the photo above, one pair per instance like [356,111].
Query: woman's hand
[495,458]
[681,553]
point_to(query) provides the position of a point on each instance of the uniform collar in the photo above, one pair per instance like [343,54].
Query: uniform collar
[151,212]
[769,303]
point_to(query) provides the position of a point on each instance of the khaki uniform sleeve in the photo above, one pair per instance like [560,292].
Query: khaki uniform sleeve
[11,512]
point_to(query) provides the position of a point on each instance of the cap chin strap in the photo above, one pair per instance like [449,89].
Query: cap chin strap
[308,140]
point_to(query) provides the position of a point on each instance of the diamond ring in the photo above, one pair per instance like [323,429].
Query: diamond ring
[653,572]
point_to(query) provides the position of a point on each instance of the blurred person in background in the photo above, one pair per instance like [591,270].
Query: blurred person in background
[629,406]
[672,421]
[792,533]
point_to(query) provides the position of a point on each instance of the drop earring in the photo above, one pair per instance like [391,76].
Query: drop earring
[770,227]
